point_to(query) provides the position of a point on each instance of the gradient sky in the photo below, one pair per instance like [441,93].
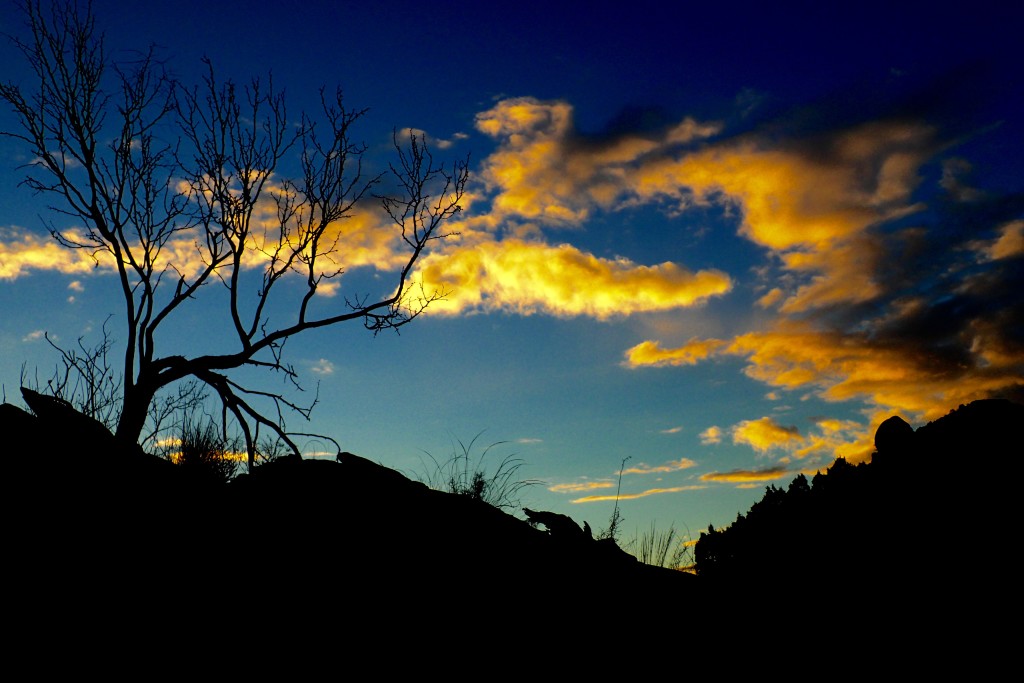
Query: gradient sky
[720,244]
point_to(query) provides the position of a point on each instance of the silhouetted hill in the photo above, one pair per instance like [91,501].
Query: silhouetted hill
[930,514]
[917,531]
[345,536]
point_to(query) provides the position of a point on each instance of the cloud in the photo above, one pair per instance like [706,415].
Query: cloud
[651,353]
[808,194]
[813,201]
[22,252]
[674,466]
[34,335]
[582,486]
[435,142]
[711,435]
[765,434]
[527,277]
[747,476]
[822,204]
[322,367]
[846,439]
[544,171]
[363,238]
[901,373]
[671,430]
[635,496]
[1009,244]
[76,286]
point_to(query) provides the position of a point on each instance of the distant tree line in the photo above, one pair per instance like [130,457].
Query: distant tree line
[932,502]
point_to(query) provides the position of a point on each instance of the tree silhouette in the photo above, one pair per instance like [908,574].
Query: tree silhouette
[178,188]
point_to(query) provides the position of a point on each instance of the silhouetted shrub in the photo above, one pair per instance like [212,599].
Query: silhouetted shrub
[204,452]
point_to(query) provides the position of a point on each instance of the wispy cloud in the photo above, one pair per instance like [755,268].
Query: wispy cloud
[889,376]
[364,238]
[22,252]
[322,367]
[432,141]
[1008,244]
[649,353]
[748,476]
[635,496]
[674,466]
[581,486]
[544,171]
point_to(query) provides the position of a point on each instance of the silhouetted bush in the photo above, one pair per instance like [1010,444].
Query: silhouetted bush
[202,451]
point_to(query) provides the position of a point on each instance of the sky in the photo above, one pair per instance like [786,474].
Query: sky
[703,249]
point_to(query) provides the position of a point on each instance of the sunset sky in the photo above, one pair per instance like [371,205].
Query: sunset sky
[719,242]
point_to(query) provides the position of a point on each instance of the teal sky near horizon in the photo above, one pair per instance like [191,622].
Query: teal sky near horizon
[719,244]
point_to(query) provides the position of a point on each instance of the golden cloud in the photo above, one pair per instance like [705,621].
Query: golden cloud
[845,367]
[674,466]
[358,240]
[841,274]
[813,206]
[846,439]
[583,486]
[711,435]
[634,496]
[532,277]
[651,353]
[747,476]
[22,251]
[543,171]
[1009,244]
[765,434]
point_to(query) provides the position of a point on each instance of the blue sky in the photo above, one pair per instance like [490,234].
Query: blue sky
[719,243]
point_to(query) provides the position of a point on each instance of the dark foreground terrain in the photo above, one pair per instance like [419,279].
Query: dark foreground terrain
[919,531]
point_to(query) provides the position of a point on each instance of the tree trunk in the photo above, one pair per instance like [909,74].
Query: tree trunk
[134,412]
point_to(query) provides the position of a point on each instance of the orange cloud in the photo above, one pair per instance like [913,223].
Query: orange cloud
[360,239]
[583,486]
[22,252]
[711,435]
[675,466]
[532,277]
[650,353]
[813,203]
[544,171]
[634,496]
[793,198]
[843,367]
[747,476]
[1009,244]
[765,434]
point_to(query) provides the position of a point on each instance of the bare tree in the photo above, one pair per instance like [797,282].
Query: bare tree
[146,166]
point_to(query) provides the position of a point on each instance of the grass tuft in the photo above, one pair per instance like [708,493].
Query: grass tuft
[465,474]
[663,548]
